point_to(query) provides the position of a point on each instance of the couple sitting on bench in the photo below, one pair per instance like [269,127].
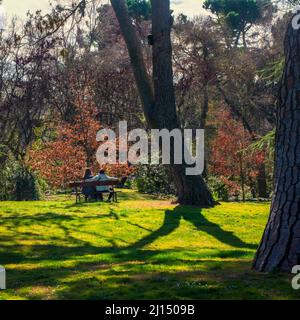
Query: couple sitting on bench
[97,192]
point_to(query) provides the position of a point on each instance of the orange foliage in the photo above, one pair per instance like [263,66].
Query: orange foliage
[65,159]
[230,159]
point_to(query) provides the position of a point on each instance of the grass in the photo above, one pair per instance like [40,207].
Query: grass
[140,248]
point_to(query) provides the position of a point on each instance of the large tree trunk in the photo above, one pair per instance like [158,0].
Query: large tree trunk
[191,190]
[159,105]
[280,245]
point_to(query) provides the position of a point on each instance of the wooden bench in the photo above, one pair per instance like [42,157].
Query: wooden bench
[78,185]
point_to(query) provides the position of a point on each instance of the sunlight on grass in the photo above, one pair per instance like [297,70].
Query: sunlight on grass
[139,248]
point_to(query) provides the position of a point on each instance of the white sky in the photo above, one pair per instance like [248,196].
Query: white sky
[20,7]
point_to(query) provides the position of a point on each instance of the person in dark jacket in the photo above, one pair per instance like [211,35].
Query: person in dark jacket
[88,191]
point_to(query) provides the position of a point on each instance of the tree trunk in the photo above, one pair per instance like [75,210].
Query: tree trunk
[244,39]
[160,106]
[236,42]
[242,173]
[202,121]
[262,182]
[204,107]
[280,245]
[191,190]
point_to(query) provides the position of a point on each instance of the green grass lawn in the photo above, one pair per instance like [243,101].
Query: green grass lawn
[140,248]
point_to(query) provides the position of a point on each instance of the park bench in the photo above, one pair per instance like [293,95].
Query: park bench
[78,185]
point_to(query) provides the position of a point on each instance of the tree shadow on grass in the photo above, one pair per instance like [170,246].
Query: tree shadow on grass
[193,215]
[127,281]
[13,251]
[119,265]
[112,261]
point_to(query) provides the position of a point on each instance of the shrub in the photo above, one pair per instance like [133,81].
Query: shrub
[18,182]
[218,188]
[154,180]
[26,186]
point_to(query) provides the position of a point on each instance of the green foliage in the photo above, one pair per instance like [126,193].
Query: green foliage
[218,188]
[19,183]
[267,143]
[154,180]
[237,13]
[272,73]
[26,186]
[139,9]
[6,185]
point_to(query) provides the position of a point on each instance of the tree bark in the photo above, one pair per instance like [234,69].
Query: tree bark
[280,245]
[262,182]
[204,107]
[242,173]
[159,104]
[133,44]
[236,42]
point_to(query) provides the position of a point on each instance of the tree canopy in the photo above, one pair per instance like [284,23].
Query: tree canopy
[239,15]
[139,9]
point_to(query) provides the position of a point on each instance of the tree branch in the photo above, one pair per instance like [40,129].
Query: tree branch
[137,60]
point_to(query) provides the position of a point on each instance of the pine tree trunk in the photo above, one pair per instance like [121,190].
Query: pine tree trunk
[159,104]
[191,190]
[280,245]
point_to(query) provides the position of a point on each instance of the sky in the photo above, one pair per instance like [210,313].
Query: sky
[20,7]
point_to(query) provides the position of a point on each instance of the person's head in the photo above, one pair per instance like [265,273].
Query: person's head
[88,173]
[102,171]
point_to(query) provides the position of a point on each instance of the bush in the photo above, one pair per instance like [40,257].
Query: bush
[219,189]
[18,183]
[26,185]
[6,186]
[154,180]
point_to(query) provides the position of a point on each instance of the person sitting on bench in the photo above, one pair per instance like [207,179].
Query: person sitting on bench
[88,191]
[103,189]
